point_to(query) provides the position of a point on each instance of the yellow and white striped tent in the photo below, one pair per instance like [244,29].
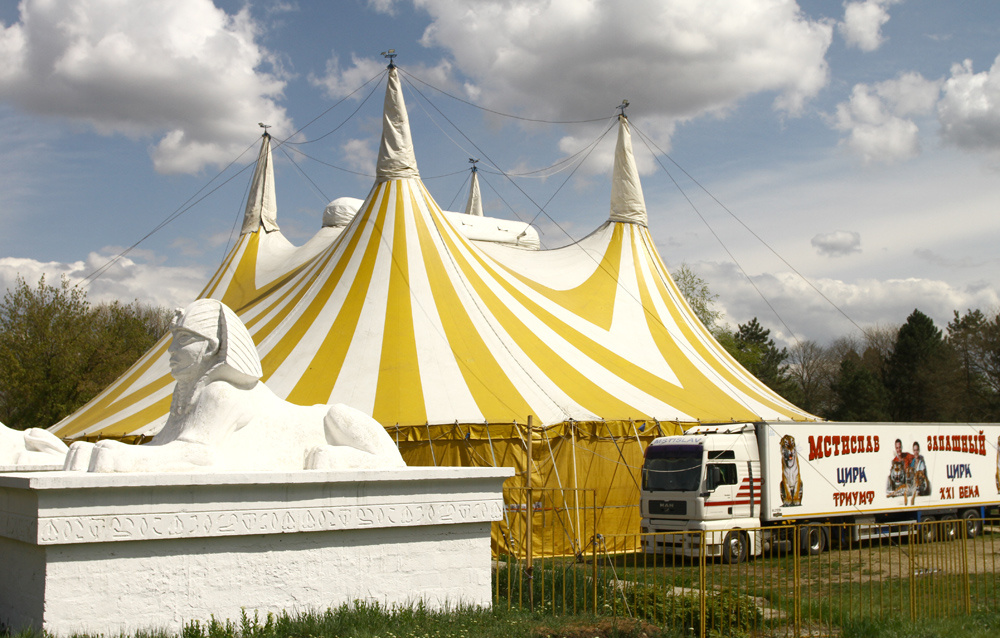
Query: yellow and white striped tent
[452,343]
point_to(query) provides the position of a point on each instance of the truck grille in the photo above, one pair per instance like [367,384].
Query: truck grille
[668,508]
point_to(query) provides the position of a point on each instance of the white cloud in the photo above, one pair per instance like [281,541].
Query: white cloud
[878,118]
[181,69]
[881,120]
[577,59]
[867,301]
[361,155]
[838,243]
[387,7]
[340,81]
[140,278]
[862,25]
[969,110]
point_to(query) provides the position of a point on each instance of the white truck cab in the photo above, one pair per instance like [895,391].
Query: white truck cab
[708,479]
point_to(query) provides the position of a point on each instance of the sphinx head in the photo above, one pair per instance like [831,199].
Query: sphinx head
[208,337]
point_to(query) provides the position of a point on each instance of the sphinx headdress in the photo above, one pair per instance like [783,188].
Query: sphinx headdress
[214,321]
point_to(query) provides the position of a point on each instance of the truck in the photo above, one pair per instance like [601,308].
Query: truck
[739,489]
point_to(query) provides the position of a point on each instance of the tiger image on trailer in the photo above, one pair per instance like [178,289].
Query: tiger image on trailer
[896,483]
[791,480]
[998,465]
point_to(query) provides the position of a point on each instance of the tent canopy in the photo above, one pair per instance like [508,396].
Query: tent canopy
[403,314]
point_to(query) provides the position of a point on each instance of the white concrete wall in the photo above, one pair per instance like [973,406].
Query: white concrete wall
[131,552]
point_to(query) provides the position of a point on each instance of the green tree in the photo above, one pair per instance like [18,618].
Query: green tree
[699,297]
[859,394]
[753,347]
[57,351]
[969,339]
[921,373]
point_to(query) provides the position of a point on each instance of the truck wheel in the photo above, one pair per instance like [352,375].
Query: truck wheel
[812,540]
[928,531]
[973,524]
[734,548]
[949,530]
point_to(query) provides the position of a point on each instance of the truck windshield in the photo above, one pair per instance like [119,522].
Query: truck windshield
[672,468]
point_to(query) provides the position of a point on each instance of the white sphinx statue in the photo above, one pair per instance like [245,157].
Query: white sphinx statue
[222,417]
[31,447]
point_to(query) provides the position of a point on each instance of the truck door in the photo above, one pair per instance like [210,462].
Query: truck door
[721,482]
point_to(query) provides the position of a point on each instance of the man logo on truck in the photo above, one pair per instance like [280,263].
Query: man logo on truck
[791,480]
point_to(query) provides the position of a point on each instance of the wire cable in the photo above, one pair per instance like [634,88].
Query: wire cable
[326,198]
[341,101]
[484,154]
[501,114]
[697,211]
[183,208]
[651,145]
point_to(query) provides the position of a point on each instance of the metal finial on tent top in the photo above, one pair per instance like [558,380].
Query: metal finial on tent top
[390,55]
[474,161]
[622,107]
[264,126]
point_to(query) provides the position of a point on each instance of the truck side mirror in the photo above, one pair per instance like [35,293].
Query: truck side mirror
[714,477]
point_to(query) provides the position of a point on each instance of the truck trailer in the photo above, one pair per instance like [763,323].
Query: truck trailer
[741,489]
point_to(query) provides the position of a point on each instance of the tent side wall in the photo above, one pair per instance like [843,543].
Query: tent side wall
[585,476]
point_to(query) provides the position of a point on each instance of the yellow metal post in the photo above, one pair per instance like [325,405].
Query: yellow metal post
[965,564]
[913,579]
[703,584]
[529,566]
[796,592]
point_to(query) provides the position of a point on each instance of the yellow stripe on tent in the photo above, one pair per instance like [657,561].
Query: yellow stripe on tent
[129,425]
[274,357]
[213,283]
[318,380]
[708,355]
[497,398]
[107,405]
[243,286]
[631,373]
[594,299]
[575,384]
[399,395]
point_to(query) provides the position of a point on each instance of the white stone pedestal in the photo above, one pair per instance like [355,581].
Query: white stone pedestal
[115,553]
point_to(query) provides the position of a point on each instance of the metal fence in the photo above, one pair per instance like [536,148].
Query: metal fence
[909,571]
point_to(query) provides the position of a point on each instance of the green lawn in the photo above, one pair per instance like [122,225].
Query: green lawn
[371,621]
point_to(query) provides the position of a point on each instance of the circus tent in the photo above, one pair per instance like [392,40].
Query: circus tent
[451,329]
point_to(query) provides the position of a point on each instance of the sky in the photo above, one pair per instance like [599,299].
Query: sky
[825,166]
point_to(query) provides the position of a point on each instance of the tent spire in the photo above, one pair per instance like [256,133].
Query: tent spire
[395,154]
[262,205]
[627,202]
[475,204]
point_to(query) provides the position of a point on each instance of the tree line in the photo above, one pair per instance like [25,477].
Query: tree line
[58,351]
[914,372]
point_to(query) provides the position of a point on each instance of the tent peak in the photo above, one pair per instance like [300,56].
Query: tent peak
[474,206]
[627,202]
[262,205]
[396,159]
[621,108]
[390,55]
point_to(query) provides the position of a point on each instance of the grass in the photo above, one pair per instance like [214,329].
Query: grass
[371,620]
[980,624]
